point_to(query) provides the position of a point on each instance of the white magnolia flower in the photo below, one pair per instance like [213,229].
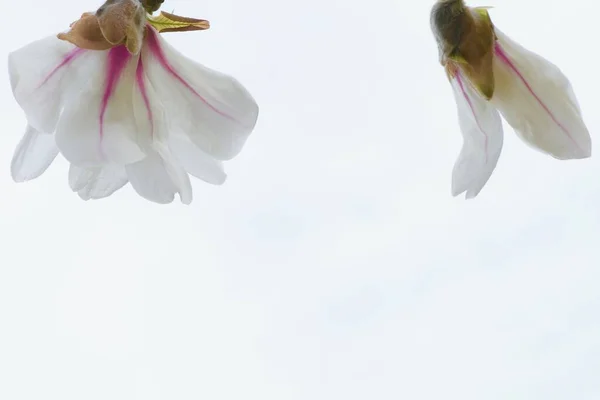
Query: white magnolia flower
[122,105]
[492,75]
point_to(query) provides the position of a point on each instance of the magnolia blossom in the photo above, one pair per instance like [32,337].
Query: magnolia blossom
[122,105]
[492,75]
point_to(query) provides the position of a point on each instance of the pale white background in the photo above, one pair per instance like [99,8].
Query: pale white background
[333,264]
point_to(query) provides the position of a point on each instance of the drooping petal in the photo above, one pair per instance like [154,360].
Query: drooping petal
[178,175]
[195,161]
[96,182]
[98,126]
[483,137]
[34,154]
[150,180]
[37,76]
[151,123]
[213,109]
[537,100]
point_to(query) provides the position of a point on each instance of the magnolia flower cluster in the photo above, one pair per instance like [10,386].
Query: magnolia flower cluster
[123,106]
[492,75]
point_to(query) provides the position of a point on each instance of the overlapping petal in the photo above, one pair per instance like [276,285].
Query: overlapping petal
[149,119]
[483,137]
[42,80]
[537,100]
[213,109]
[98,127]
[493,75]
[97,182]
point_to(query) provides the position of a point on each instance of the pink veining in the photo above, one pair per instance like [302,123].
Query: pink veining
[117,60]
[139,77]
[158,52]
[505,59]
[67,59]
[470,103]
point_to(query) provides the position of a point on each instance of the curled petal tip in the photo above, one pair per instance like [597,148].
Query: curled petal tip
[471,195]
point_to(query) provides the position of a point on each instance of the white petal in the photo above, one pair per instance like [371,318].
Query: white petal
[195,161]
[150,179]
[37,76]
[483,137]
[537,100]
[97,182]
[89,137]
[178,175]
[151,123]
[34,154]
[213,109]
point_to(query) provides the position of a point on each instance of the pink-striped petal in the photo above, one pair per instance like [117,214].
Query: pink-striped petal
[42,77]
[98,125]
[150,119]
[213,109]
[481,128]
[537,100]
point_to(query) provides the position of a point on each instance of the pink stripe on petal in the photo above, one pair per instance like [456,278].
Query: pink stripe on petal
[468,99]
[117,60]
[158,52]
[139,77]
[505,59]
[72,55]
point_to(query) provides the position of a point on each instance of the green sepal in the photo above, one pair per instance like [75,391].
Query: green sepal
[167,22]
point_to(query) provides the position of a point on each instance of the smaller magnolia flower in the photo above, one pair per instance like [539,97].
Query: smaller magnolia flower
[123,106]
[491,75]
